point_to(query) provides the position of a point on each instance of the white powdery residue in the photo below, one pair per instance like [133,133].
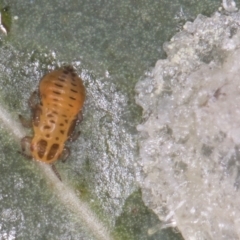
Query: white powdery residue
[189,142]
[66,194]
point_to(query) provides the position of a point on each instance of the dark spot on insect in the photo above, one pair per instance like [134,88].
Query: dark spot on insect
[72,98]
[64,115]
[56,92]
[52,121]
[58,85]
[46,127]
[61,79]
[54,112]
[73,75]
[62,131]
[49,115]
[41,147]
[55,99]
[52,152]
[70,105]
[55,105]
[65,71]
[41,104]
[73,90]
[66,121]
[61,124]
[47,135]
[57,138]
[74,84]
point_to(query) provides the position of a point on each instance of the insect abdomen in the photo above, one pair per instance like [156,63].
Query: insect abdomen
[62,96]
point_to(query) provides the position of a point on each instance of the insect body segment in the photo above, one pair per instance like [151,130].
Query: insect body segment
[62,95]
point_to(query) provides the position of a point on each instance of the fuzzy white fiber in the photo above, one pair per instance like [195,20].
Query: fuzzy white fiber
[190,137]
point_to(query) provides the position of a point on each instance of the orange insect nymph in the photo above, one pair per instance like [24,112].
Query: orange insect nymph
[62,95]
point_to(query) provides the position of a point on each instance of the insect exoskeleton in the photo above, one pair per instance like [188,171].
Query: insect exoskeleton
[54,117]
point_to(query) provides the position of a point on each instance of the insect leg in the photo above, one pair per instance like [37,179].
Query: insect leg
[25,122]
[37,111]
[74,136]
[65,154]
[71,134]
[56,172]
[25,143]
[79,117]
[33,100]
